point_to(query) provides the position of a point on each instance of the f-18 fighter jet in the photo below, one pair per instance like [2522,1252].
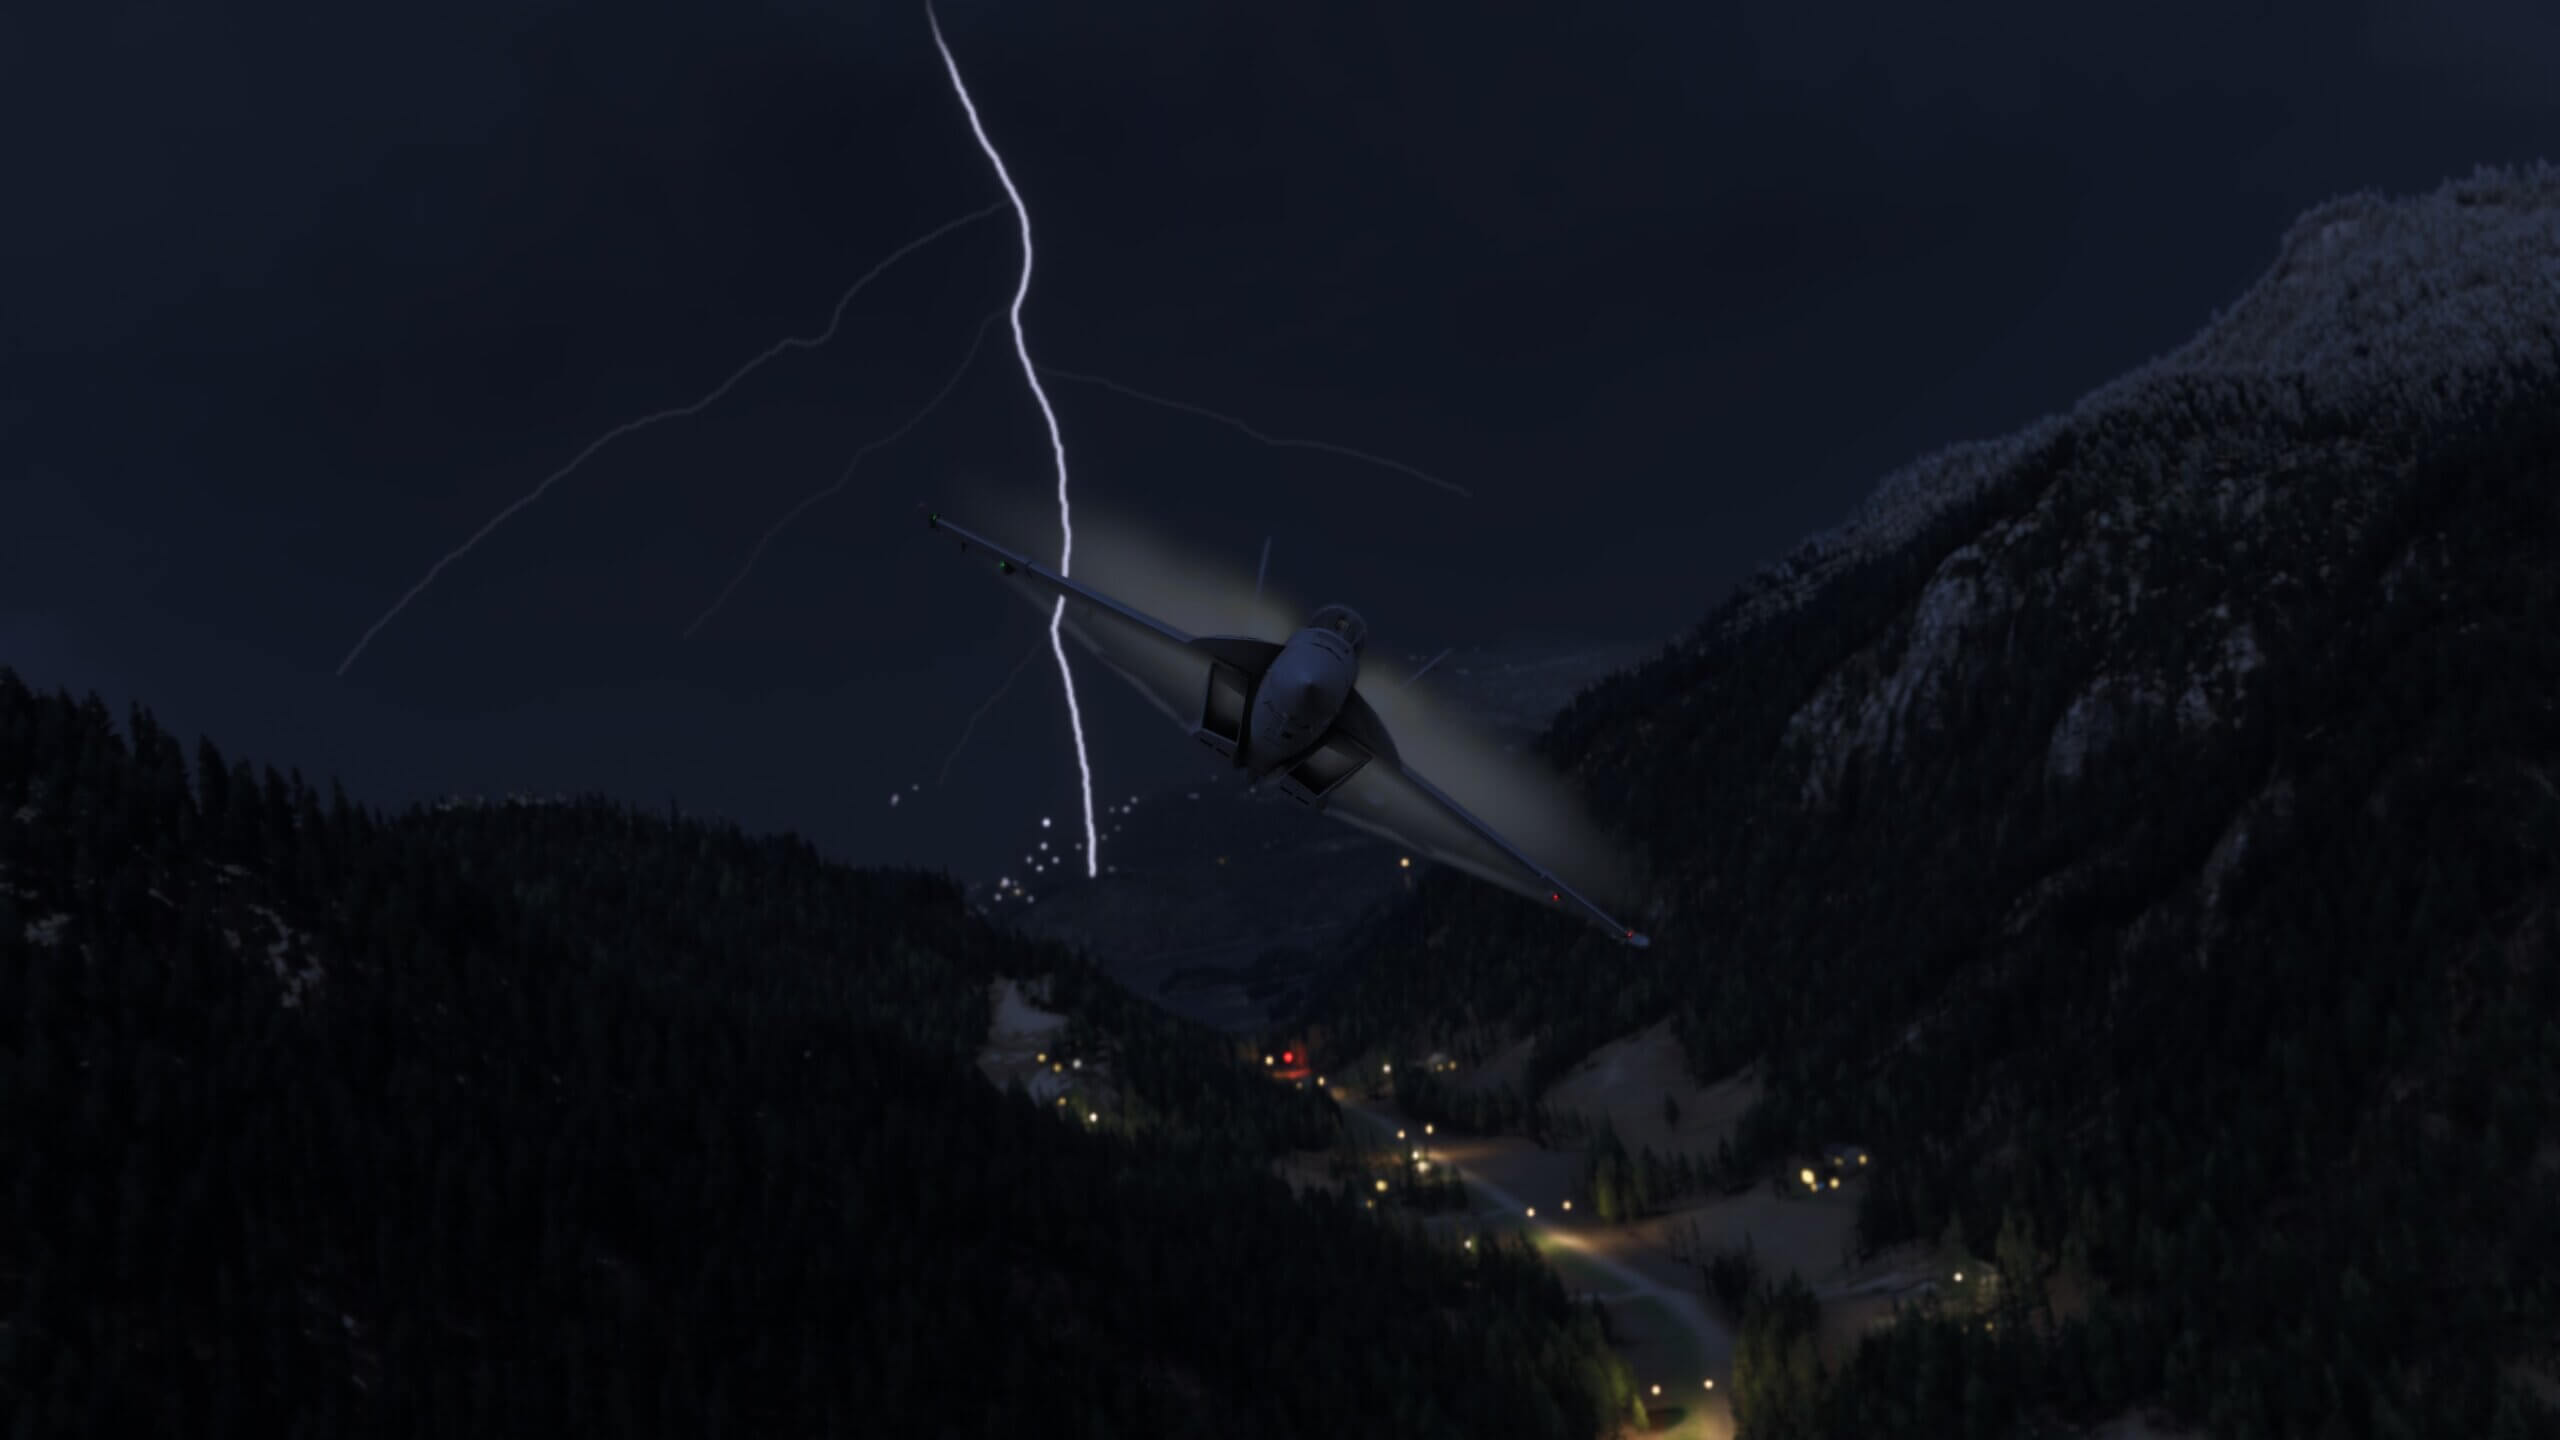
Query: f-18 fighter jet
[1289,714]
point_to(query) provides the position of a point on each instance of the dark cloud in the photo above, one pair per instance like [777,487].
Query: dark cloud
[301,295]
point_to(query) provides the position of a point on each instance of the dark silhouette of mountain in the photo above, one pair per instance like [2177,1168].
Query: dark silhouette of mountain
[556,1117]
[2144,833]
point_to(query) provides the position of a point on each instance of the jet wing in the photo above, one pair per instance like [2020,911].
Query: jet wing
[1389,798]
[1169,667]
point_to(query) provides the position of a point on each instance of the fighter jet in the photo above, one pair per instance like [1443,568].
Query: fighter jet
[1291,715]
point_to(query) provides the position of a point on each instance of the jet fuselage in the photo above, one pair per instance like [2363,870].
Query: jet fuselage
[1299,696]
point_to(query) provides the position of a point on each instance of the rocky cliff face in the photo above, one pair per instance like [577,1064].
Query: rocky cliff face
[2130,566]
[2143,831]
[2380,318]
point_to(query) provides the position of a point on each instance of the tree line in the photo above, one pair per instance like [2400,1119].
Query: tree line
[577,1118]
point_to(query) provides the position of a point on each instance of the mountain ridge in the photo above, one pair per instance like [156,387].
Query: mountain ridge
[2089,796]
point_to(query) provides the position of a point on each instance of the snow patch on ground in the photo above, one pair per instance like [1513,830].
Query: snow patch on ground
[1020,1033]
[2096,720]
[288,946]
[1624,1082]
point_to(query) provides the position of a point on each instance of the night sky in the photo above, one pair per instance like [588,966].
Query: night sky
[299,296]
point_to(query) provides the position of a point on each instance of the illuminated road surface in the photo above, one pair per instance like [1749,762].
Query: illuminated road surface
[1584,1262]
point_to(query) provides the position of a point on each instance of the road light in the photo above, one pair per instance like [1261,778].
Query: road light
[1711,1384]
[1426,1129]
[1533,1212]
[1382,1187]
[1399,1134]
[1959,1277]
[1657,1390]
[1092,1117]
[1568,1204]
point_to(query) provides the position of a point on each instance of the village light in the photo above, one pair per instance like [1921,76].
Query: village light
[1568,1204]
[1426,1129]
[1959,1277]
[1808,1178]
[1399,1134]
[1382,1187]
[1091,1116]
[1657,1389]
[1533,1212]
[1711,1384]
[1835,1182]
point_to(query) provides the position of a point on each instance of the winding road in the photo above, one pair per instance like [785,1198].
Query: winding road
[1693,1346]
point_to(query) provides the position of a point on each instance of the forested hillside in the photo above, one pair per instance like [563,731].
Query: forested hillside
[565,1119]
[2144,835]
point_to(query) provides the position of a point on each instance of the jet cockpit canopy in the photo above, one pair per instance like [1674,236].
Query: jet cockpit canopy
[1344,621]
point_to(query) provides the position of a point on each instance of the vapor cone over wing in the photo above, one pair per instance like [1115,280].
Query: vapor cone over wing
[1289,713]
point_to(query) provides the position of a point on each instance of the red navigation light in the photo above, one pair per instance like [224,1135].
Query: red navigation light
[1555,897]
[1288,1057]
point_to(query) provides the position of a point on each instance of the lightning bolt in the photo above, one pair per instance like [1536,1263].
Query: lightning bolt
[1057,443]
[844,477]
[981,712]
[835,319]
[1426,668]
[1277,442]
